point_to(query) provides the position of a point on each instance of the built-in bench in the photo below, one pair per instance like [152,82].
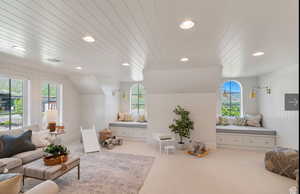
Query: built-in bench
[135,130]
[245,137]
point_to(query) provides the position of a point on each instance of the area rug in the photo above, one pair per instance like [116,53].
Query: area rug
[104,173]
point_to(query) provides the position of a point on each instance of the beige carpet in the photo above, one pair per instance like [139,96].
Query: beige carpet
[105,173]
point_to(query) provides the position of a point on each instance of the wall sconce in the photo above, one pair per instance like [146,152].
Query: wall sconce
[253,92]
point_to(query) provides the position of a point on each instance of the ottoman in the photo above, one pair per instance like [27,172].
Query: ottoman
[283,161]
[39,170]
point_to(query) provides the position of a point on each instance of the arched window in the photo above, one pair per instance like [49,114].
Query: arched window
[231,99]
[137,99]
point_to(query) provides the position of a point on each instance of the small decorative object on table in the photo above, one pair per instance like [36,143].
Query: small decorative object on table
[198,149]
[55,154]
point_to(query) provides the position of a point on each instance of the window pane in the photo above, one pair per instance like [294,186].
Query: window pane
[53,90]
[16,87]
[4,104]
[45,90]
[17,112]
[134,99]
[231,99]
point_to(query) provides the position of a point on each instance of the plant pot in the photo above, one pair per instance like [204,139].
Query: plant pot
[181,145]
[51,161]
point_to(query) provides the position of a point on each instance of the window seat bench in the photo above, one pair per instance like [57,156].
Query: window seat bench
[245,137]
[131,130]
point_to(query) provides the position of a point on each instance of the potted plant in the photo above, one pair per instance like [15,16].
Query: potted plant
[182,126]
[55,154]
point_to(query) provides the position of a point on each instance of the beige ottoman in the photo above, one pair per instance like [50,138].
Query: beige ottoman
[39,170]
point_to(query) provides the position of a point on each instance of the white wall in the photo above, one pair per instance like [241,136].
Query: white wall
[193,89]
[286,123]
[99,109]
[250,106]
[71,102]
[202,112]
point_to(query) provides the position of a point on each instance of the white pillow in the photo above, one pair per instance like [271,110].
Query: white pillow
[254,120]
[40,138]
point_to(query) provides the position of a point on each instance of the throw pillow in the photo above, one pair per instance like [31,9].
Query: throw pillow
[240,121]
[40,138]
[121,116]
[254,120]
[223,121]
[13,145]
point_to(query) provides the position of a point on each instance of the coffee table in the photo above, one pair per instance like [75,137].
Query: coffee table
[38,170]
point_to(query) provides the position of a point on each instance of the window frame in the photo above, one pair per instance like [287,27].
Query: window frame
[139,93]
[24,101]
[230,100]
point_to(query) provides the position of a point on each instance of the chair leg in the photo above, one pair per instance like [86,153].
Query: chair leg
[78,170]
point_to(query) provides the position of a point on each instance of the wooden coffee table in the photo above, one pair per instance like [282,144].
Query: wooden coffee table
[38,170]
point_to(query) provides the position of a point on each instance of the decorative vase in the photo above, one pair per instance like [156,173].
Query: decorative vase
[55,160]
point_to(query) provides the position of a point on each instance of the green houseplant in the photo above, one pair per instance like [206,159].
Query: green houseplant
[55,154]
[183,125]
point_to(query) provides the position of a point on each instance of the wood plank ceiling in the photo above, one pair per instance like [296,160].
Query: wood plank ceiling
[145,33]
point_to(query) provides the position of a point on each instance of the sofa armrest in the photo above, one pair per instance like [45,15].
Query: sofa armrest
[47,187]
[2,167]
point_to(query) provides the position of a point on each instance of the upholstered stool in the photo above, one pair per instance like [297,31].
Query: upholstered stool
[283,161]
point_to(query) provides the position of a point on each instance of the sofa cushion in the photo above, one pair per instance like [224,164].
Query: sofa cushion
[11,145]
[29,156]
[11,163]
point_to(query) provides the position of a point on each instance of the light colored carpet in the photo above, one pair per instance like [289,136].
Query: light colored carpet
[105,173]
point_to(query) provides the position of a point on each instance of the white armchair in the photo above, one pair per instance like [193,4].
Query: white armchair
[11,183]
[47,187]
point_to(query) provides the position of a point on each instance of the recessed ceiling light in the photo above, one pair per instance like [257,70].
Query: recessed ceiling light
[188,24]
[184,59]
[125,64]
[19,48]
[78,68]
[88,39]
[256,54]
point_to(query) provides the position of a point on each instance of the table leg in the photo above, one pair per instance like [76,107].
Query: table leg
[78,169]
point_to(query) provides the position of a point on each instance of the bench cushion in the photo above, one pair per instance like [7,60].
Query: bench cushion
[29,156]
[11,163]
[245,130]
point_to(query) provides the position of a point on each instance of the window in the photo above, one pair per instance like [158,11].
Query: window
[11,103]
[137,99]
[231,99]
[49,97]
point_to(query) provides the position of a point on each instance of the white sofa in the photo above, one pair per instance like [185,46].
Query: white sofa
[14,164]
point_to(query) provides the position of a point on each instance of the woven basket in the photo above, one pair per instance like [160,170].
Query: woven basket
[51,161]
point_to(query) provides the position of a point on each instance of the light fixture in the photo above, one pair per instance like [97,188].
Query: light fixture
[126,64]
[78,68]
[257,54]
[19,48]
[187,24]
[253,92]
[88,39]
[184,59]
